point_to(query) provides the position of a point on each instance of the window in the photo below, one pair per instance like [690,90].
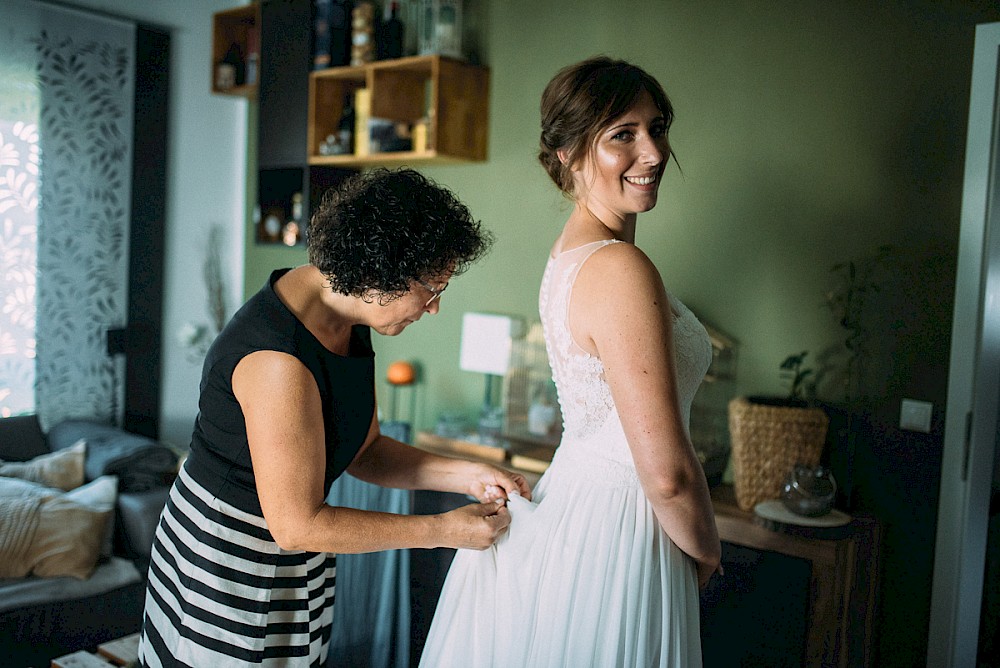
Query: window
[19,172]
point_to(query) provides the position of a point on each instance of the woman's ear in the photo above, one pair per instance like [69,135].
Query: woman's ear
[563,157]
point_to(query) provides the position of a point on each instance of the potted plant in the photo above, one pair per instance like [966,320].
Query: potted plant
[771,435]
[852,370]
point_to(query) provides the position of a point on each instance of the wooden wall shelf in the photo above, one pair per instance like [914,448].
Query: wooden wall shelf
[451,96]
[239,26]
[297,109]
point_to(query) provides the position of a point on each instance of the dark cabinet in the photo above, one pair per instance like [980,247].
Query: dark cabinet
[283,172]
[286,35]
[443,102]
[792,595]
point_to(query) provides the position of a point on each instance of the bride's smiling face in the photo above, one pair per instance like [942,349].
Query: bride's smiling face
[622,171]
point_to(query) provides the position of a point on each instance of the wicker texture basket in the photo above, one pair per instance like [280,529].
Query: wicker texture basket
[767,442]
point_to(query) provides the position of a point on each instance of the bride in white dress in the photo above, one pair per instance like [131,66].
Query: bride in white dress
[603,566]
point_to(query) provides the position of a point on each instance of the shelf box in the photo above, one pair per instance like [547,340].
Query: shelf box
[400,93]
[234,26]
[462,104]
[326,102]
[452,96]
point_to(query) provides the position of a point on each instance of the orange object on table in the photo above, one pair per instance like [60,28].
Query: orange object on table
[401,373]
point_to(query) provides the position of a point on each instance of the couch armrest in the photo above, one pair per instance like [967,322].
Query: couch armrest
[138,515]
[21,438]
[140,462]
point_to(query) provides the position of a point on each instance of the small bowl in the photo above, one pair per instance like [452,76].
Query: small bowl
[809,491]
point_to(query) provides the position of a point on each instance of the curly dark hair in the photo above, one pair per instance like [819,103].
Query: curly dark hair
[383,228]
[580,101]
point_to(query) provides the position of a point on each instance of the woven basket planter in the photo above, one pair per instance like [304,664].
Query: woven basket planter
[767,441]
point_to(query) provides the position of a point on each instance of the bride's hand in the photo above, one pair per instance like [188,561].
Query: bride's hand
[491,483]
[706,570]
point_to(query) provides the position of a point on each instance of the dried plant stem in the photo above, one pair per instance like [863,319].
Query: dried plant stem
[214,280]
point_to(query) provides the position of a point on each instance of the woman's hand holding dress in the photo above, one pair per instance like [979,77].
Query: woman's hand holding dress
[491,483]
[476,526]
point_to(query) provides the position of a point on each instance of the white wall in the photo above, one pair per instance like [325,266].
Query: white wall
[206,185]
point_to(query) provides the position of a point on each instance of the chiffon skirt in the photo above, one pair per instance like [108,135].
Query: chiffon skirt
[585,576]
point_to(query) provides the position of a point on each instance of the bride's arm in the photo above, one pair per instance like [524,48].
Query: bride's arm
[620,311]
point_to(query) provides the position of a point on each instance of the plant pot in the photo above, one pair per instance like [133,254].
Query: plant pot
[769,437]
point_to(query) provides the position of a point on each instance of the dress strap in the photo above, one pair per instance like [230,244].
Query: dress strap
[571,261]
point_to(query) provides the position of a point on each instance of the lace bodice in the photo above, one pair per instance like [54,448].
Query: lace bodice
[584,395]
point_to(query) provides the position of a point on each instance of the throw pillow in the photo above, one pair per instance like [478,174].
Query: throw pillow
[20,506]
[100,495]
[69,528]
[62,469]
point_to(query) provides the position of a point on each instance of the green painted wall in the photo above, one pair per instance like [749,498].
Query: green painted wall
[808,132]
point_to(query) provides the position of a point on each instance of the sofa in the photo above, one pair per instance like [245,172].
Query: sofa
[45,613]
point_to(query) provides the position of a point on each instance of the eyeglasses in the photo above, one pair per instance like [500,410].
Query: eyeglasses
[435,293]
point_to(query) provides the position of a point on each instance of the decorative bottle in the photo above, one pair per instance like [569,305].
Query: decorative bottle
[331,33]
[390,35]
[292,232]
[362,33]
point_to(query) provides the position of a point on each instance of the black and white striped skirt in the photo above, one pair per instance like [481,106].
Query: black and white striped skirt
[222,593]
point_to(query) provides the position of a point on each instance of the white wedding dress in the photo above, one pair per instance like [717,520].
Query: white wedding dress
[585,576]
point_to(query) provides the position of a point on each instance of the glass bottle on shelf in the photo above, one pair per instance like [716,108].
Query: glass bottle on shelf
[390,35]
[345,129]
[321,34]
[410,13]
[253,57]
[362,33]
[231,70]
[291,234]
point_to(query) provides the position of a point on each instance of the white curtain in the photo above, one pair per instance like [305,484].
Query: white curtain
[84,68]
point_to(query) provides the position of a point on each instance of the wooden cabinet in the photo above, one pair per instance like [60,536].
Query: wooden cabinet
[236,28]
[838,591]
[448,97]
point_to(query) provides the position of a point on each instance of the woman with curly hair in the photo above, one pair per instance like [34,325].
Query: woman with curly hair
[244,563]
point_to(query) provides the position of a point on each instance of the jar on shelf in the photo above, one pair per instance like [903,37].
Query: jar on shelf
[362,33]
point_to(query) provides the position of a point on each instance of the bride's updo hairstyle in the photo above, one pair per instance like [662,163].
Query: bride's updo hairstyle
[580,101]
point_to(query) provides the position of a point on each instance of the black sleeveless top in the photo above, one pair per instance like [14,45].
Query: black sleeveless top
[220,456]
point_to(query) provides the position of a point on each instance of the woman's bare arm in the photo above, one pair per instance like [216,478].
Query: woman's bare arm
[390,463]
[281,405]
[620,311]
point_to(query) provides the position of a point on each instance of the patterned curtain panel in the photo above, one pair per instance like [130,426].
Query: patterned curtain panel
[85,66]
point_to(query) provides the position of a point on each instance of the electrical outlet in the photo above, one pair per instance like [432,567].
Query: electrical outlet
[915,415]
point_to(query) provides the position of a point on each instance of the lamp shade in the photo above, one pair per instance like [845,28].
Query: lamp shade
[486,342]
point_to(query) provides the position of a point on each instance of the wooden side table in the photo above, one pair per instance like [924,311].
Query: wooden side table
[843,584]
[500,454]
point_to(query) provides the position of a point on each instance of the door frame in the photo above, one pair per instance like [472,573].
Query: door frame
[971,424]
